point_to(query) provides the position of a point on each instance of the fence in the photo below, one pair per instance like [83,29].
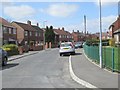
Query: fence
[110,56]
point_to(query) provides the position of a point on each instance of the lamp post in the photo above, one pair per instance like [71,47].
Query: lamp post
[100,46]
[85,25]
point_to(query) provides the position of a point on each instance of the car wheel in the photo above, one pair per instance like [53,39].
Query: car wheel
[60,54]
[4,61]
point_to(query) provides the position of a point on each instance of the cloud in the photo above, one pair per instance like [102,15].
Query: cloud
[19,12]
[61,10]
[93,25]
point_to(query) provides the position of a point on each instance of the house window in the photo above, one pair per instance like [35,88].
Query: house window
[26,42]
[14,30]
[59,36]
[39,34]
[5,30]
[26,33]
[5,42]
[36,34]
[10,30]
[30,33]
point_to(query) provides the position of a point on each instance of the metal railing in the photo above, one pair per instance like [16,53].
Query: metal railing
[110,56]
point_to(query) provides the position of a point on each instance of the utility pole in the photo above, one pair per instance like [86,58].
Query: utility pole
[85,26]
[100,46]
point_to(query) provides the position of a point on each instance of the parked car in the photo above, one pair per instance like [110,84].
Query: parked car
[3,57]
[78,45]
[66,48]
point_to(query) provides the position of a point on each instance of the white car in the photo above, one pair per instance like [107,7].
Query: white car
[66,48]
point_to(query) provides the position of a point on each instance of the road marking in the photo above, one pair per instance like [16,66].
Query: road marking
[78,80]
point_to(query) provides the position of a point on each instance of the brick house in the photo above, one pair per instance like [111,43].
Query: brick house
[62,36]
[29,36]
[8,32]
[78,36]
[114,30]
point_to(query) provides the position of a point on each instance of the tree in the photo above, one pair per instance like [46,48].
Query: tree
[49,34]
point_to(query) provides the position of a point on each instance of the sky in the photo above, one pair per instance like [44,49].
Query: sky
[69,15]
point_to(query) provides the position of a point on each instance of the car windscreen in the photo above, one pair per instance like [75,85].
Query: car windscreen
[65,45]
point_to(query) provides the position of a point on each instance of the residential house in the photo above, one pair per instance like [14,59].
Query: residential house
[62,36]
[28,36]
[78,36]
[8,31]
[105,35]
[95,36]
[114,30]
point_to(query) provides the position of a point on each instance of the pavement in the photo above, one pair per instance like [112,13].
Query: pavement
[10,58]
[89,74]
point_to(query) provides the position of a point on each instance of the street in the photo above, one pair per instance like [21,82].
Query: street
[45,69]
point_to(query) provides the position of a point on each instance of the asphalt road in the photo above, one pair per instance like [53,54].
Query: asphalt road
[43,70]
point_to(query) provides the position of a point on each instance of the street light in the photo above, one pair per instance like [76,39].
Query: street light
[100,46]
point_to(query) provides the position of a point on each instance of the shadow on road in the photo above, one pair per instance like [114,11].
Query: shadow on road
[78,53]
[67,55]
[9,66]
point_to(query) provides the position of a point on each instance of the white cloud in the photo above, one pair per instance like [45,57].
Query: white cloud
[61,10]
[93,25]
[19,12]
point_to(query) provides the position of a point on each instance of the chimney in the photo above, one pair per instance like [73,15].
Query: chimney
[29,22]
[38,24]
[118,17]
[78,31]
[58,28]
[63,28]
[87,32]
[73,30]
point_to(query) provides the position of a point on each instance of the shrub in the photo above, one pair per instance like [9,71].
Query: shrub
[112,42]
[11,49]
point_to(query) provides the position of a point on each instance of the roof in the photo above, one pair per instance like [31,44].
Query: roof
[61,32]
[37,28]
[116,24]
[25,26]
[5,22]
[78,33]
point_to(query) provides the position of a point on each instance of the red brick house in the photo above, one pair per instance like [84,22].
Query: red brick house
[62,36]
[29,36]
[78,36]
[114,30]
[8,32]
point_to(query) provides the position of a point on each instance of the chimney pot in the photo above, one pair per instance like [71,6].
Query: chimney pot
[38,24]
[29,22]
[63,28]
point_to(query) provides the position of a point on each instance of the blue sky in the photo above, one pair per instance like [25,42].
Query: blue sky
[62,14]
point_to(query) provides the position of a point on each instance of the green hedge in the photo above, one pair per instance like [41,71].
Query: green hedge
[11,49]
